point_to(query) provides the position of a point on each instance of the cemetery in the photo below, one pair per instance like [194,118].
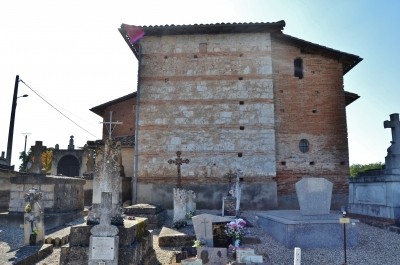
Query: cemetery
[213,179]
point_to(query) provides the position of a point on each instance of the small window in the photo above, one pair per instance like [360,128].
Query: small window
[304,145]
[298,68]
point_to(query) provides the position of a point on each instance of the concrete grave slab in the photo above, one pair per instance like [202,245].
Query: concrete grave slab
[172,238]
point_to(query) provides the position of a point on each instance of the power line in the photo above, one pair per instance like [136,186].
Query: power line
[57,109]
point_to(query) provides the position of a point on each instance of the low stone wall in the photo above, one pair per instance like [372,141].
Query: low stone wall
[5,185]
[375,194]
[60,194]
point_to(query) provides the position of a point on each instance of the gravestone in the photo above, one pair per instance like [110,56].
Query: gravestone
[229,206]
[314,195]
[220,238]
[210,255]
[203,226]
[35,163]
[252,259]
[103,246]
[107,179]
[392,160]
[33,218]
[184,200]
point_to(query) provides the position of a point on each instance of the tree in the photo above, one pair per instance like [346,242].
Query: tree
[25,157]
[355,169]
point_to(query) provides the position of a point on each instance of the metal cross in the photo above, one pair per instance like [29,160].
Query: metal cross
[110,127]
[178,162]
[230,175]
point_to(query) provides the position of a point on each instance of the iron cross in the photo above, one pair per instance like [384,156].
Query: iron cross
[178,162]
[110,127]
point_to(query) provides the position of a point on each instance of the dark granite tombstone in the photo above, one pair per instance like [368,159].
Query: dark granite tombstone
[220,239]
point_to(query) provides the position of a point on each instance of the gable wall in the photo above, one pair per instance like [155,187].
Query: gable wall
[123,111]
[192,105]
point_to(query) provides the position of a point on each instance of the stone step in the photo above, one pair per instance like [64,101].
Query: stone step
[169,237]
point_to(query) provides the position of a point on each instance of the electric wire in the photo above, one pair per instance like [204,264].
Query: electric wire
[51,105]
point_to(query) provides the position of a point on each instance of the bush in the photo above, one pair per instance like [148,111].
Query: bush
[355,169]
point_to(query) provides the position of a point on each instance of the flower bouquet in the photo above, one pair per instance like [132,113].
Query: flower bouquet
[236,230]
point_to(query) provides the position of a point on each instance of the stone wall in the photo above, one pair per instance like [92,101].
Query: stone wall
[311,108]
[211,97]
[60,194]
[5,176]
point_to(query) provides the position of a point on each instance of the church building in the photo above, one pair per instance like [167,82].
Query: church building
[239,97]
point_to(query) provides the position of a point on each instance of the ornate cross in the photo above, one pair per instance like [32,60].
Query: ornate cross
[230,175]
[111,125]
[178,162]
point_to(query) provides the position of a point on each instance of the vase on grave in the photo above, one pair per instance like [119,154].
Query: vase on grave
[32,239]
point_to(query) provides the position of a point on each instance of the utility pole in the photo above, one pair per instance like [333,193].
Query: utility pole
[26,137]
[12,119]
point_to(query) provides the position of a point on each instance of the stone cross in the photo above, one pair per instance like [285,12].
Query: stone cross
[178,162]
[105,228]
[394,124]
[35,163]
[111,125]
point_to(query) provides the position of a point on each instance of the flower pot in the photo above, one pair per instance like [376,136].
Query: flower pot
[32,239]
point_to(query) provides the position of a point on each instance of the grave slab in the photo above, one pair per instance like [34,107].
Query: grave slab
[169,237]
[293,229]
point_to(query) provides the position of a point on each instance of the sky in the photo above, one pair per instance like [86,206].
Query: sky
[71,54]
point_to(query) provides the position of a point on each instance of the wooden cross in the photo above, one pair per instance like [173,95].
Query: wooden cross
[178,162]
[110,127]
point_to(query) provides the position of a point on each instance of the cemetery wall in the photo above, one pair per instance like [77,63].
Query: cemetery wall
[60,194]
[311,108]
[211,97]
[5,176]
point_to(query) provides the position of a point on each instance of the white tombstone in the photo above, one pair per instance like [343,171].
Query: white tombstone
[314,195]
[202,224]
[33,218]
[184,202]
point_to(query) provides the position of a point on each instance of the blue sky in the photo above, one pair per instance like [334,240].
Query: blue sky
[73,55]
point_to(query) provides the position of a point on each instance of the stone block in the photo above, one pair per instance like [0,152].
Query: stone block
[80,234]
[209,255]
[143,209]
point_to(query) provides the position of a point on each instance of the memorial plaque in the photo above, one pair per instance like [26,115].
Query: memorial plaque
[103,248]
[229,206]
[251,259]
[220,239]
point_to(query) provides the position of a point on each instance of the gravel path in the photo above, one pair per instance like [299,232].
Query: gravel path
[376,246]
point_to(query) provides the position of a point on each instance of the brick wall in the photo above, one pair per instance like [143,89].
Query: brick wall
[123,111]
[311,108]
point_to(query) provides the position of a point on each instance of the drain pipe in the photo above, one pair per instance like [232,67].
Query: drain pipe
[136,158]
